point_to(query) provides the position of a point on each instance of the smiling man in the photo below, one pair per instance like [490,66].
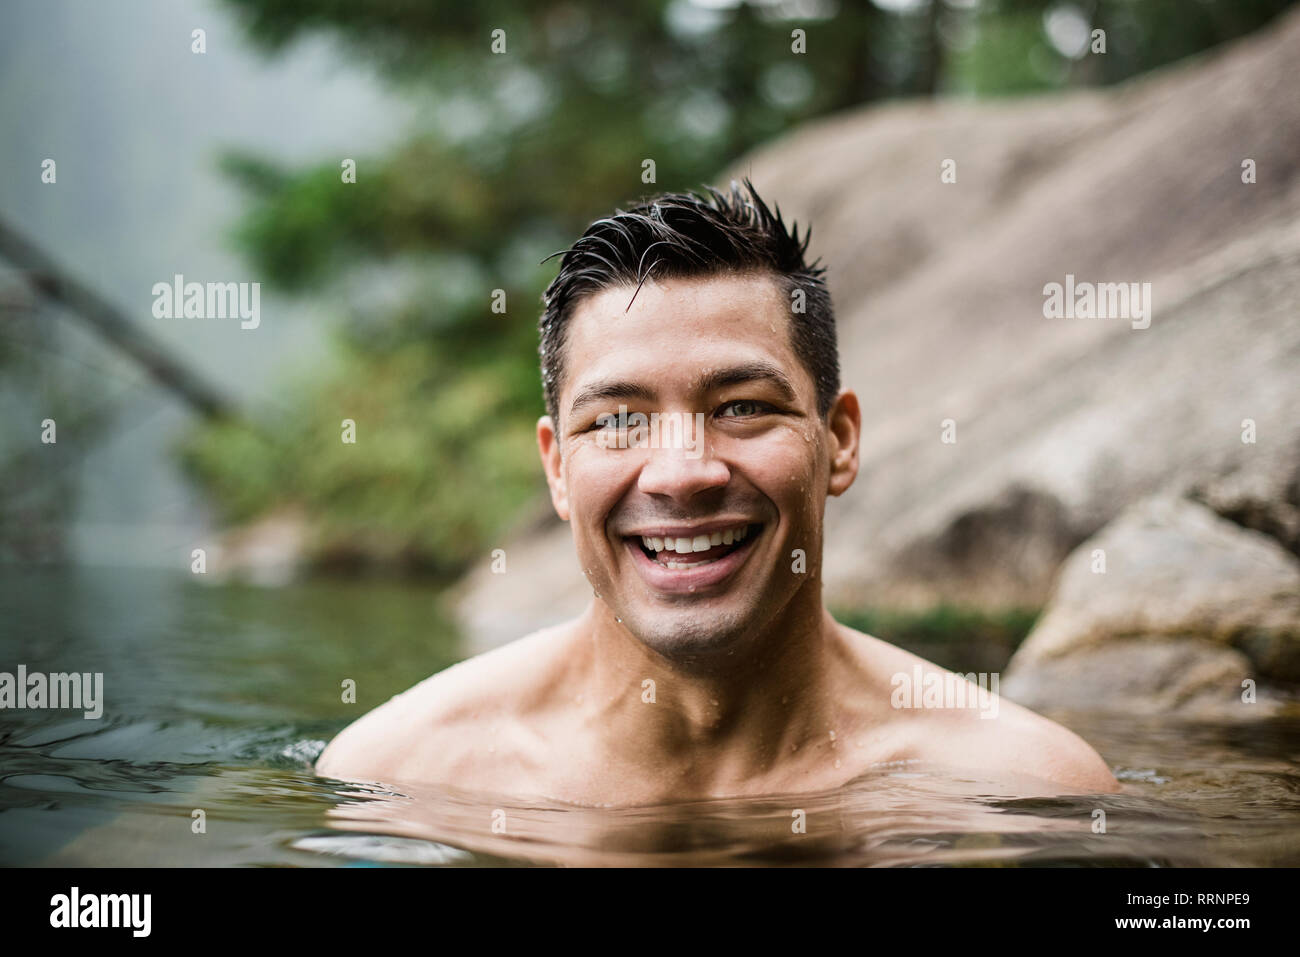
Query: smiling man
[706,664]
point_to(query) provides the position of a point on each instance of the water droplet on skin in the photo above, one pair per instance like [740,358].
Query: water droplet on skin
[832,735]
[837,762]
[618,619]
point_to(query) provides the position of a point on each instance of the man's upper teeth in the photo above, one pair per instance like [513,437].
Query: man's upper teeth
[697,543]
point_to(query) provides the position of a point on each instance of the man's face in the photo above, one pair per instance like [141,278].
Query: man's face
[690,537]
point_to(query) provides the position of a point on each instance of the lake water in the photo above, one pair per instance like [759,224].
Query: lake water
[218,699]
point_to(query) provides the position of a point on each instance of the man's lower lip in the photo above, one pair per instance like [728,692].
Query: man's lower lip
[662,578]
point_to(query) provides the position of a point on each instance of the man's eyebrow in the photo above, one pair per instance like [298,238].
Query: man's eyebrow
[747,372]
[614,389]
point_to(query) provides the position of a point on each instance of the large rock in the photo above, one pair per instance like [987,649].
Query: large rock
[1061,423]
[1264,496]
[1184,676]
[1170,606]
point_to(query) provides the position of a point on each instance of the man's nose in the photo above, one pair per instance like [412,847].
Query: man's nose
[681,473]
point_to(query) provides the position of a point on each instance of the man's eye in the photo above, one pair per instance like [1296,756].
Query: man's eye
[743,408]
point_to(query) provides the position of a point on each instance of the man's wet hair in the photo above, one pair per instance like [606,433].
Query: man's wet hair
[684,236]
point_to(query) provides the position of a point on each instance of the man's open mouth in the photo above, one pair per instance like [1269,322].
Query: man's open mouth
[695,551]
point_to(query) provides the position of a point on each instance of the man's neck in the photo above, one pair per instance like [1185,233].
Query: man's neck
[716,726]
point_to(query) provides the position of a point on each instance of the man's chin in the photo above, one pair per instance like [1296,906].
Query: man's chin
[682,637]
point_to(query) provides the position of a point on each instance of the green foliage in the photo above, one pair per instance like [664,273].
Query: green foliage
[1011,57]
[443,459]
[1003,47]
[943,623]
[964,639]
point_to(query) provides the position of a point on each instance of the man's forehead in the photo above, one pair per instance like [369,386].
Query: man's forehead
[675,317]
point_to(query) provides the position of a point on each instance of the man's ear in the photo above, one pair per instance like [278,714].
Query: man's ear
[548,445]
[845,424]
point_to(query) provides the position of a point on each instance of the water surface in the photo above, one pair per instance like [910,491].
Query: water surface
[219,699]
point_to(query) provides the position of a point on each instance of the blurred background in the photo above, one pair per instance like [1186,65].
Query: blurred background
[1104,139]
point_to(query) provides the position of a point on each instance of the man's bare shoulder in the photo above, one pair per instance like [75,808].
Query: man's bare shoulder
[975,727]
[444,726]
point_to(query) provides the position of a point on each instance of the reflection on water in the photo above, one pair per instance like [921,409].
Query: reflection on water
[219,700]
